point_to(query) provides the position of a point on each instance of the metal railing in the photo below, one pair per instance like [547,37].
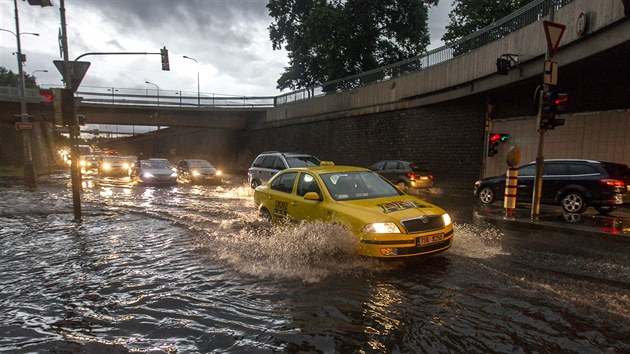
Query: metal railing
[532,12]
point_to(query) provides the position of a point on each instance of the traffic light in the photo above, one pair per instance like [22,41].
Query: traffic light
[493,144]
[63,101]
[47,96]
[494,139]
[552,103]
[42,3]
[164,55]
[503,66]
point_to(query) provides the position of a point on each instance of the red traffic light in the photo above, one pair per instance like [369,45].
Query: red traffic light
[47,96]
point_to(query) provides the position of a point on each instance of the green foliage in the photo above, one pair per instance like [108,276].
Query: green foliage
[469,16]
[9,78]
[332,39]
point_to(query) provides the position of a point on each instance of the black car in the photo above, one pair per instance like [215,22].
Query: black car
[404,173]
[573,184]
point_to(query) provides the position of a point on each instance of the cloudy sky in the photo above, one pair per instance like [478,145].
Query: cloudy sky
[228,38]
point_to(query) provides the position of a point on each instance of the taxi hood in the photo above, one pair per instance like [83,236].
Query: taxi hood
[398,208]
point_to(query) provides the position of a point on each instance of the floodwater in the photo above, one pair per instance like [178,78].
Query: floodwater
[191,269]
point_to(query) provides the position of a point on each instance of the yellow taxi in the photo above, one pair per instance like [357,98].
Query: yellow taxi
[387,222]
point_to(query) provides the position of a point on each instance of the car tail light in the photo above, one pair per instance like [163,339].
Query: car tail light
[412,175]
[613,182]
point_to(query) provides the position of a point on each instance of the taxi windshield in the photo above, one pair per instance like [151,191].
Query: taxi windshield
[358,185]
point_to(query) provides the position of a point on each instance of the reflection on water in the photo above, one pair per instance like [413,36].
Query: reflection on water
[192,269]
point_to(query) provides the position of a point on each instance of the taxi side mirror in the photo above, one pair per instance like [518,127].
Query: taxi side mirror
[311,196]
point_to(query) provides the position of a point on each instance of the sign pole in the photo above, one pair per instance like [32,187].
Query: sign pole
[73,129]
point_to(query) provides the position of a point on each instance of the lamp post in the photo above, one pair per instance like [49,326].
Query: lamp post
[198,93]
[158,91]
[113,90]
[29,170]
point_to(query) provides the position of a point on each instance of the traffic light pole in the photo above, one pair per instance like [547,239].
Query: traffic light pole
[540,160]
[73,129]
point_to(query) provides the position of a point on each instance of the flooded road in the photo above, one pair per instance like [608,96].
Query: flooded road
[191,269]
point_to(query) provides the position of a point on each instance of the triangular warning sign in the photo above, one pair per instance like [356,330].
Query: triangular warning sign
[77,71]
[553,32]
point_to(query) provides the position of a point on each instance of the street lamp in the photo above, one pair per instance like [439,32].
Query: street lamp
[113,90]
[158,91]
[29,170]
[38,71]
[198,94]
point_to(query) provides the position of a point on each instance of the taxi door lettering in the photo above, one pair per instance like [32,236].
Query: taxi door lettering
[281,208]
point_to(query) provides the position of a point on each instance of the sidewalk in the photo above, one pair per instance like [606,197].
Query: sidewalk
[616,225]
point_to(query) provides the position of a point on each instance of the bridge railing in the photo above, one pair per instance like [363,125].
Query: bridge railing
[173,98]
[532,12]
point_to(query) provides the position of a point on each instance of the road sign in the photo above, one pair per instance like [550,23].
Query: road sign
[551,73]
[24,126]
[77,71]
[553,32]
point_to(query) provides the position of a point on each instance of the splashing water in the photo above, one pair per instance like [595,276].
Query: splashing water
[476,241]
[309,251]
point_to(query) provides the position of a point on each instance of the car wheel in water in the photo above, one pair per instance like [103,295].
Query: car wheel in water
[265,215]
[605,209]
[486,195]
[573,202]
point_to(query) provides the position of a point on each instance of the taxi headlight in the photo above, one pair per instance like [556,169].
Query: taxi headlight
[126,166]
[174,174]
[447,219]
[107,166]
[381,228]
[195,173]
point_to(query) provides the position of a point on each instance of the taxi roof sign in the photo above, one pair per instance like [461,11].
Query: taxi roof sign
[553,32]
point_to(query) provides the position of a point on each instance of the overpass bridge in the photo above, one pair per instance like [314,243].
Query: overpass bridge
[438,113]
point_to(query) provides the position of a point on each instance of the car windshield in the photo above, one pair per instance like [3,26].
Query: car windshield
[113,159]
[358,185]
[199,164]
[302,161]
[156,164]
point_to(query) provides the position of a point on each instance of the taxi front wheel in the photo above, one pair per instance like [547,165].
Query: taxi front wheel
[265,215]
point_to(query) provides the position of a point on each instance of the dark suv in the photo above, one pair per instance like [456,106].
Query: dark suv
[573,184]
[267,164]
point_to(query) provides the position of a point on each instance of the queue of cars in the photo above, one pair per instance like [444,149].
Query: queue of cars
[150,171]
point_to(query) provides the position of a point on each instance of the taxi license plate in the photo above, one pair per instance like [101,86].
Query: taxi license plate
[425,240]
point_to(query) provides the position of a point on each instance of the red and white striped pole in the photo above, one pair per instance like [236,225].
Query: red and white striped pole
[511,185]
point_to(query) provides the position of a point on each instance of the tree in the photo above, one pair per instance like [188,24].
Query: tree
[9,78]
[332,39]
[469,16]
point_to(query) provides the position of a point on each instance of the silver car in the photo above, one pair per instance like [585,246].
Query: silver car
[154,171]
[267,164]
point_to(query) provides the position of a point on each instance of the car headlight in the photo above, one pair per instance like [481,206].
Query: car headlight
[195,173]
[82,163]
[447,219]
[174,174]
[107,166]
[126,166]
[147,175]
[219,173]
[381,228]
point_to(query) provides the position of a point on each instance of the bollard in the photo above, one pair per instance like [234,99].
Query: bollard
[511,185]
